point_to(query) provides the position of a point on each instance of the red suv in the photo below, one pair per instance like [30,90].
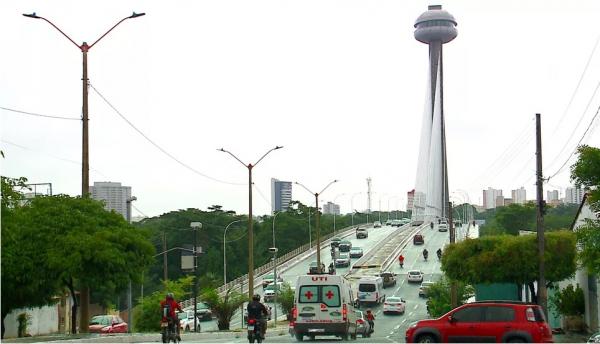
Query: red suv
[485,321]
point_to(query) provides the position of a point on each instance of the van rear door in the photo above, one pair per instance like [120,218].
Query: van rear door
[319,303]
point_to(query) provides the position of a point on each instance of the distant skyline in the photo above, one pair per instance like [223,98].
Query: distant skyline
[341,85]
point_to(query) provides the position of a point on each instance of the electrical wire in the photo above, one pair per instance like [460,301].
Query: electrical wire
[576,146]
[556,158]
[577,87]
[52,156]
[39,115]
[159,147]
[139,211]
[261,194]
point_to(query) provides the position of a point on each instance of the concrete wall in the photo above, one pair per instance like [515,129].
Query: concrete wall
[43,320]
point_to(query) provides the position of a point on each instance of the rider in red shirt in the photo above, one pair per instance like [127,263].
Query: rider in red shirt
[172,305]
[401,260]
[371,319]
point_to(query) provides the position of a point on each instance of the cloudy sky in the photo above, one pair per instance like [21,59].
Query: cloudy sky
[339,84]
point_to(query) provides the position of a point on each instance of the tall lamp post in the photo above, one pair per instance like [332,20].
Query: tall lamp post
[224,255]
[336,197]
[250,234]
[317,221]
[195,227]
[129,299]
[84,48]
[352,205]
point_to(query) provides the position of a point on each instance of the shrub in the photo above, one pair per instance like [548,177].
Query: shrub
[569,301]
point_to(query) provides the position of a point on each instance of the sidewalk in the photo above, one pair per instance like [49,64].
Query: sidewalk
[571,337]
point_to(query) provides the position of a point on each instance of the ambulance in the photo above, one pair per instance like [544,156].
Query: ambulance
[323,306]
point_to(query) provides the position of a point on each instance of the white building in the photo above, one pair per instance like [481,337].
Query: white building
[114,196]
[281,195]
[573,195]
[489,198]
[552,196]
[519,195]
[331,208]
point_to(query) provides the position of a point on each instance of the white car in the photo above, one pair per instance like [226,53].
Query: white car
[425,287]
[415,276]
[394,304]
[376,224]
[186,321]
[269,292]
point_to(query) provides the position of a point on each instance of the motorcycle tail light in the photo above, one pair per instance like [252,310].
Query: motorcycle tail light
[251,322]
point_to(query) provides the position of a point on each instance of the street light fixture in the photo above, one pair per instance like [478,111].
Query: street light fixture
[85,167]
[195,227]
[317,220]
[224,255]
[250,234]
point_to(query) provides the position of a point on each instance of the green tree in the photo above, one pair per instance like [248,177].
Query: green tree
[285,299]
[26,279]
[569,301]
[438,296]
[586,173]
[224,307]
[510,259]
[84,245]
[147,314]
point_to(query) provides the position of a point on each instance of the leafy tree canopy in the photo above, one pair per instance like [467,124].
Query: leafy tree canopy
[511,259]
[438,296]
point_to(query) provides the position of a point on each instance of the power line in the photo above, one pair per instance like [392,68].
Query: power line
[52,156]
[577,87]
[577,126]
[159,147]
[576,146]
[39,115]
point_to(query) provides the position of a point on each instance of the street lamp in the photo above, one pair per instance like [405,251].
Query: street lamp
[224,255]
[336,197]
[129,301]
[195,227]
[84,47]
[250,234]
[352,205]
[317,221]
[275,286]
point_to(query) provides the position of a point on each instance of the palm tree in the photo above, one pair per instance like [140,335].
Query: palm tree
[224,306]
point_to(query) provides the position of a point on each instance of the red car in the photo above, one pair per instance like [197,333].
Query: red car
[107,324]
[488,321]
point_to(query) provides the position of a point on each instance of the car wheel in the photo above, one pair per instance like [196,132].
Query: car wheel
[198,328]
[516,340]
[187,328]
[426,338]
[299,337]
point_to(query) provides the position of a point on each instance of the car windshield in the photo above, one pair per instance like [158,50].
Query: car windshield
[343,256]
[345,242]
[393,299]
[414,272]
[356,249]
[201,305]
[100,320]
[387,274]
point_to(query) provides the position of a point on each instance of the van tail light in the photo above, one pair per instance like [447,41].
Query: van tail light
[529,314]
[360,321]
[294,313]
[344,312]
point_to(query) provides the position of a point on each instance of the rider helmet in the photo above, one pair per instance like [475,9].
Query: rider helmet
[256,297]
[170,296]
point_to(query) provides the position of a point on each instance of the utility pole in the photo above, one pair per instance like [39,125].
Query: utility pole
[542,293]
[195,227]
[453,286]
[165,275]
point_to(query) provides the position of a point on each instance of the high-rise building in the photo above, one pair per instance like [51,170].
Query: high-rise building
[410,196]
[114,196]
[519,195]
[281,195]
[552,196]
[489,198]
[331,208]
[573,195]
[435,27]
[507,202]
[499,201]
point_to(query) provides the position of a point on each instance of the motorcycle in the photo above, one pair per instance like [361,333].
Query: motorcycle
[168,331]
[254,333]
[439,255]
[425,254]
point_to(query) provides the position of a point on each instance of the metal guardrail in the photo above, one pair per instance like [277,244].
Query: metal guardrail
[238,283]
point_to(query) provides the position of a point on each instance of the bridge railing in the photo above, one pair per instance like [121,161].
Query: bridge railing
[239,282]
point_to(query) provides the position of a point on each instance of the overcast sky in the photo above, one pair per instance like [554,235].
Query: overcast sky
[339,84]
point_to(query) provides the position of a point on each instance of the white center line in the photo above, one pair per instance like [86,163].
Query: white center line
[416,306]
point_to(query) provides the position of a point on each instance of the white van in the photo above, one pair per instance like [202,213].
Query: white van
[324,306]
[370,290]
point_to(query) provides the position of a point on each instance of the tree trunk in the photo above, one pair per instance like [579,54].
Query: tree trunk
[533,294]
[69,285]
[3,328]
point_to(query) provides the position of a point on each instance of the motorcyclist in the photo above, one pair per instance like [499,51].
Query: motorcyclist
[431,225]
[371,319]
[439,253]
[256,310]
[171,305]
[425,253]
[401,260]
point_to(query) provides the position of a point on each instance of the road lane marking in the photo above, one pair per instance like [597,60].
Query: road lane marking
[403,321]
[396,327]
[410,314]
[416,306]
